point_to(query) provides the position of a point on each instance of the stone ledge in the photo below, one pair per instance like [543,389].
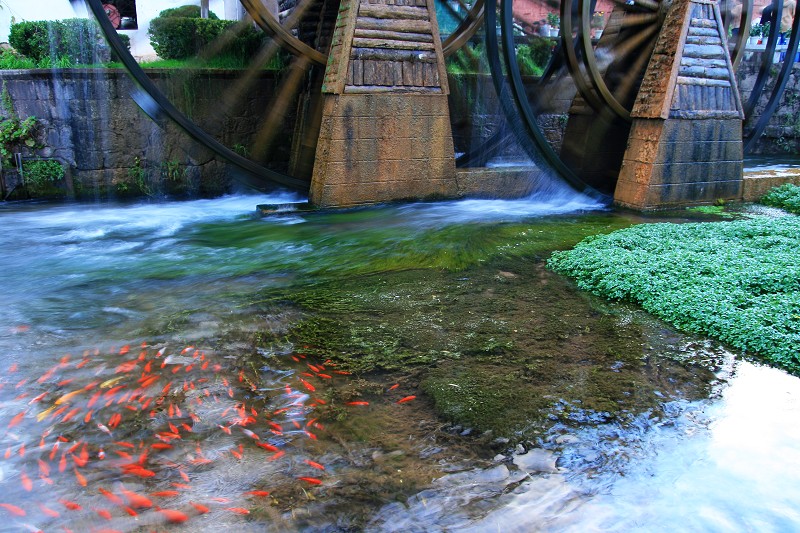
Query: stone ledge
[756,183]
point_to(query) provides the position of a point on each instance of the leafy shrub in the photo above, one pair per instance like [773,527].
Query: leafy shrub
[78,40]
[532,58]
[182,37]
[786,197]
[43,177]
[189,11]
[736,281]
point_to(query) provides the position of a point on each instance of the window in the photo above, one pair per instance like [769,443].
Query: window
[122,14]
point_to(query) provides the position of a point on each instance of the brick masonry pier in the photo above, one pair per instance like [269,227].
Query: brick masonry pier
[685,145]
[385,132]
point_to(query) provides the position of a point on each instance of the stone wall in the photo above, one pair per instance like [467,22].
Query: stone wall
[90,123]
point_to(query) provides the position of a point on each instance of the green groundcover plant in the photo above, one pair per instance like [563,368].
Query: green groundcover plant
[786,197]
[736,281]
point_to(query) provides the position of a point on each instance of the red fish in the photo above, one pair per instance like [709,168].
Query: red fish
[49,512]
[259,493]
[312,480]
[314,464]
[13,509]
[16,420]
[72,506]
[237,510]
[27,484]
[81,479]
[174,517]
[165,493]
[111,497]
[103,513]
[406,399]
[136,500]
[202,509]
[357,403]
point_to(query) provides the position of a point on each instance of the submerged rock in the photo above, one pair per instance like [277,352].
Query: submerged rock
[537,460]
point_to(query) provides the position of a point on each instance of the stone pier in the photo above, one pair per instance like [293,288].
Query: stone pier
[685,144]
[385,132]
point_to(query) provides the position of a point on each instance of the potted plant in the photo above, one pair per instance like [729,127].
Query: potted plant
[554,21]
[597,24]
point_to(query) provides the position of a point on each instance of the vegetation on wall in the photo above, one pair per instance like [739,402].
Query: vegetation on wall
[737,281]
[43,177]
[15,133]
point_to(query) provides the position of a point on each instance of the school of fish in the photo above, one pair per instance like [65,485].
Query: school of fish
[125,432]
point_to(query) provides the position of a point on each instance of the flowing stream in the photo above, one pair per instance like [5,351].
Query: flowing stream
[190,366]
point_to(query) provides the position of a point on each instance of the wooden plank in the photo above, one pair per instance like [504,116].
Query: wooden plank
[391,44]
[385,54]
[393,35]
[399,25]
[394,12]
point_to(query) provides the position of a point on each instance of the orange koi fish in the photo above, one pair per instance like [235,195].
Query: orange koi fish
[103,513]
[165,493]
[79,477]
[174,517]
[237,510]
[357,403]
[406,399]
[136,500]
[44,468]
[312,480]
[113,498]
[72,506]
[16,420]
[259,493]
[13,509]
[27,484]
[314,464]
[49,512]
[202,509]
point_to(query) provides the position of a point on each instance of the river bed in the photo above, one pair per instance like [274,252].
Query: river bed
[410,367]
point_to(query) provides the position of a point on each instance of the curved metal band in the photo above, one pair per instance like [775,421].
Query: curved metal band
[766,60]
[273,28]
[256,176]
[573,63]
[777,91]
[585,40]
[744,28]
[519,113]
[465,30]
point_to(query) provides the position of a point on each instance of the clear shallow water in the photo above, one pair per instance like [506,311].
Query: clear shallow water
[91,279]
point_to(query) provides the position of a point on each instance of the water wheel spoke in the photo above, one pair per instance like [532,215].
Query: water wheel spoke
[270,127]
[625,88]
[638,19]
[243,84]
[282,32]
[634,43]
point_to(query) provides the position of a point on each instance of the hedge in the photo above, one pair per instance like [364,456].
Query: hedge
[73,41]
[183,37]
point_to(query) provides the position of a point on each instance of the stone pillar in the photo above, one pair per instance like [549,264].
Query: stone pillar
[385,132]
[685,145]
